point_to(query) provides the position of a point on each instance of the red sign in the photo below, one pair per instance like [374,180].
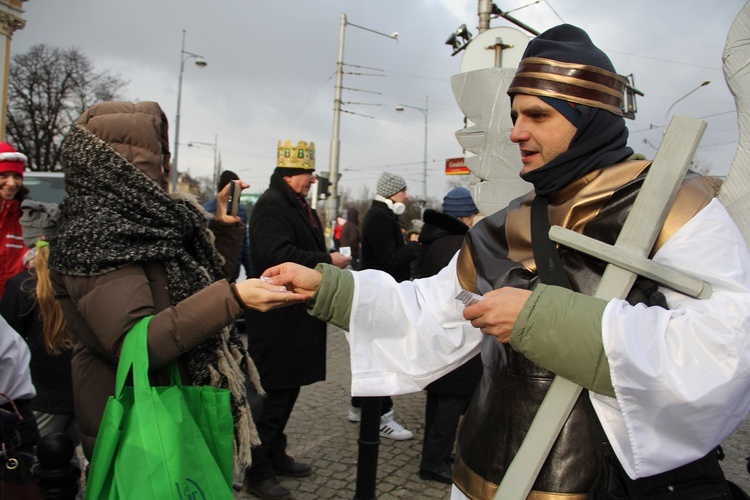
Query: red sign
[456,166]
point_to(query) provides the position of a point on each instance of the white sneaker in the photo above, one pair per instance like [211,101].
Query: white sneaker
[355,414]
[391,429]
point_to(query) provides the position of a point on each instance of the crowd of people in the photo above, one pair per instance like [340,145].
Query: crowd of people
[665,375]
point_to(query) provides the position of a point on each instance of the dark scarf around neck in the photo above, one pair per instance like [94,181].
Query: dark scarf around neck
[277,181]
[600,141]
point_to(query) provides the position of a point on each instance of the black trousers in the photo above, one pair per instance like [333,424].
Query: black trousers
[441,416]
[277,407]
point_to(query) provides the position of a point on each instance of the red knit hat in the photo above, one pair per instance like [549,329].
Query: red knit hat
[11,160]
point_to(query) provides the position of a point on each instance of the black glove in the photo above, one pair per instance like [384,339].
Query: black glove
[646,291]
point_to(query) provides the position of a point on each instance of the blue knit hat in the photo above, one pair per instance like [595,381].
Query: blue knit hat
[458,203]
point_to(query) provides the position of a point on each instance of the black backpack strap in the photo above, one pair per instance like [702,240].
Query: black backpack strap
[548,263]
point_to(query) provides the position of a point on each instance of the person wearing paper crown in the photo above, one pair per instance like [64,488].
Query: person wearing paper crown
[665,384]
[289,347]
[12,192]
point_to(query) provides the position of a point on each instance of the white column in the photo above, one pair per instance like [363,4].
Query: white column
[10,21]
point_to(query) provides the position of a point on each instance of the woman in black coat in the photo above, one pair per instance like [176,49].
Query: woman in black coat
[448,397]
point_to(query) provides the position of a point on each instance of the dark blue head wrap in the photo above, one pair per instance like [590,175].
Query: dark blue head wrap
[563,64]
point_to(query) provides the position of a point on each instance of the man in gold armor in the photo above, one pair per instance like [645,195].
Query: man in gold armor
[665,374]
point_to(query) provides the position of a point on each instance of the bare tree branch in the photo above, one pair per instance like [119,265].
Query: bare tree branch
[49,87]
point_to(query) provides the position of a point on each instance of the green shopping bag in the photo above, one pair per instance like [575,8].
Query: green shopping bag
[171,442]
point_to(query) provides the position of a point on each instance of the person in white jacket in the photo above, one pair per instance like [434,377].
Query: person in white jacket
[17,390]
[666,375]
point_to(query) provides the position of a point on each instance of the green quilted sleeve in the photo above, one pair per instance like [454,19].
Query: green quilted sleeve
[561,330]
[332,301]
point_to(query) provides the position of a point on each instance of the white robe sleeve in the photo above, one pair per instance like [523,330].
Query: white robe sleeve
[402,336]
[681,376]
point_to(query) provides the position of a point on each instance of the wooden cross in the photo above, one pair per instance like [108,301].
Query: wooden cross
[628,258]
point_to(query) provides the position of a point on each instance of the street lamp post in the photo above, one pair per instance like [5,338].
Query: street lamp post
[201,63]
[425,112]
[216,155]
[367,460]
[666,117]
[333,161]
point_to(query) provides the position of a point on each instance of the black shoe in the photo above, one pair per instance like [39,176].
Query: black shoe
[288,467]
[268,489]
[441,477]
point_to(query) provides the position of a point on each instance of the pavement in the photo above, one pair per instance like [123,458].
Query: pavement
[319,433]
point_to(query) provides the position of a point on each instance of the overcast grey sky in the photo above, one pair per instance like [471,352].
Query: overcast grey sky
[271,67]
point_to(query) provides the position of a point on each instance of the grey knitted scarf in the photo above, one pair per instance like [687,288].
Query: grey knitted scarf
[114,216]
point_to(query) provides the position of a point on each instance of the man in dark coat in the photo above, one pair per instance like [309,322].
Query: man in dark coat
[383,245]
[448,397]
[289,349]
[384,248]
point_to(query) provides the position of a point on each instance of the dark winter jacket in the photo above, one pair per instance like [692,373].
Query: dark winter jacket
[288,346]
[50,373]
[383,245]
[441,237]
[138,290]
[101,309]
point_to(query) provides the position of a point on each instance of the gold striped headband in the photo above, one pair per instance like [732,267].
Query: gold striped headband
[578,83]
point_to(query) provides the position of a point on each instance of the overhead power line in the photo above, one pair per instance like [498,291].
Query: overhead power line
[630,53]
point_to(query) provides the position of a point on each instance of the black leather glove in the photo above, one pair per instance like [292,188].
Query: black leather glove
[646,291]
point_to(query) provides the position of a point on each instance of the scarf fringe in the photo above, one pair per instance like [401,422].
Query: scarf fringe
[246,433]
[252,372]
[229,369]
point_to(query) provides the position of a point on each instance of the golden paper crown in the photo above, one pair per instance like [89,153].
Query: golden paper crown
[302,156]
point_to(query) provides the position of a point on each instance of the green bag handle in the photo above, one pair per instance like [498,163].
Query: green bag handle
[134,354]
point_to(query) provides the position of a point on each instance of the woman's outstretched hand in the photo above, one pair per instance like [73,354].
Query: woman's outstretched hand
[295,277]
[263,296]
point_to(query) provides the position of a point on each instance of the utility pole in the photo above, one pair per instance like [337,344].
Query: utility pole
[333,161]
[425,112]
[485,9]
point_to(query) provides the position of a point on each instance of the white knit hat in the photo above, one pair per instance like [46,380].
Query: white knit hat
[390,184]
